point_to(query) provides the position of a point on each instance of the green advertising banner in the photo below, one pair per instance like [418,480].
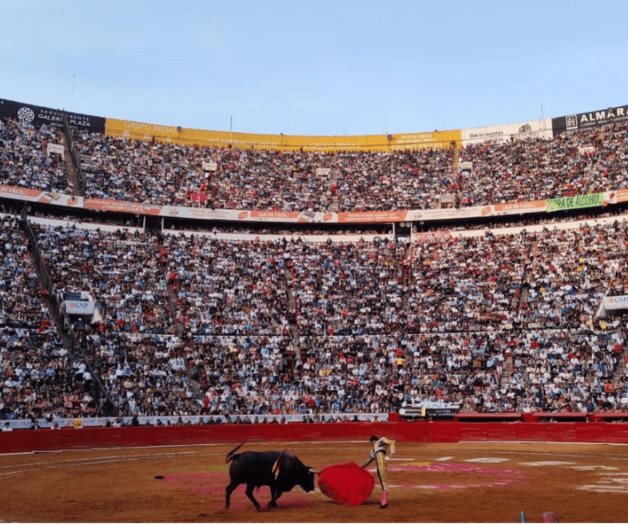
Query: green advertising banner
[575,202]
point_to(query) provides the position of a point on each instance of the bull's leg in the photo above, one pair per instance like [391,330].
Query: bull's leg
[228,490]
[249,493]
[275,494]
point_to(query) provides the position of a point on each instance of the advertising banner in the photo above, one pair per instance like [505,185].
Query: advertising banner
[42,197]
[533,206]
[345,217]
[541,128]
[181,135]
[355,217]
[210,166]
[57,149]
[590,119]
[38,115]
[79,307]
[615,303]
[575,202]
[119,206]
[446,213]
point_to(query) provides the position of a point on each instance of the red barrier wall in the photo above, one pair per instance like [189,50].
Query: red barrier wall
[47,440]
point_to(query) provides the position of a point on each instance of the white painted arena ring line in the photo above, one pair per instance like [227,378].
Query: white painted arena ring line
[365,445]
[87,461]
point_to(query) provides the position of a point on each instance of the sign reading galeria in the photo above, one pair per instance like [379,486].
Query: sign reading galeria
[38,115]
[590,119]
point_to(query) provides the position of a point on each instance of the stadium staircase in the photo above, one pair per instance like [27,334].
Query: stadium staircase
[70,341]
[192,373]
[621,366]
[73,183]
[171,286]
[522,294]
[455,170]
[405,270]
[334,205]
[173,310]
[76,179]
[455,160]
[292,313]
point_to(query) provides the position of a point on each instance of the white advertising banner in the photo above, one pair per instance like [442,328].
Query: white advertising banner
[210,166]
[79,307]
[616,303]
[56,148]
[541,128]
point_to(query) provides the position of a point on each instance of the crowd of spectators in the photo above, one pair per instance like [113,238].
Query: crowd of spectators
[247,375]
[579,162]
[166,173]
[121,270]
[24,157]
[229,288]
[570,272]
[347,288]
[467,284]
[193,325]
[143,374]
[38,378]
[21,303]
[292,327]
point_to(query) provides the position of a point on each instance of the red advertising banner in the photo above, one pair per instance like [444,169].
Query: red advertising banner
[371,217]
[120,206]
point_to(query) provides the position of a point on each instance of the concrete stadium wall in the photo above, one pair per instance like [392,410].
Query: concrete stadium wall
[49,440]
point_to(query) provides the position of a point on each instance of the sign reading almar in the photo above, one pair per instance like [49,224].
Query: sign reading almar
[575,202]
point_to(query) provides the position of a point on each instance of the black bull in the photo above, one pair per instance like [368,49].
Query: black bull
[281,471]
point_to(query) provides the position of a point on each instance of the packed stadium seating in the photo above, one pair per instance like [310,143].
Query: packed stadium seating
[24,159]
[189,324]
[498,328]
[123,270]
[165,173]
[38,377]
[579,162]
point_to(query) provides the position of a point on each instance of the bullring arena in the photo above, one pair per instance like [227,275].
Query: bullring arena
[467,481]
[153,317]
[430,482]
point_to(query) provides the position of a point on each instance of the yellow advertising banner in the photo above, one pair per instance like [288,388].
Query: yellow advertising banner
[198,137]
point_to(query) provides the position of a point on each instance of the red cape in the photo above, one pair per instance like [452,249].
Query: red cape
[346,483]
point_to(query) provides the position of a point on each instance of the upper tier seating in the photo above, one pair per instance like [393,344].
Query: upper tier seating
[24,160]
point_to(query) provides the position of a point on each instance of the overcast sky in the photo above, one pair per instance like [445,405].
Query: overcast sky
[316,67]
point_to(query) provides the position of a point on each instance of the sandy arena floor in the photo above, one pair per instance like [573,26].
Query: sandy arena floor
[466,482]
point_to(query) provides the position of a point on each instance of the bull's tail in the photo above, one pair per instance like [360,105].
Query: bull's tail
[229,456]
